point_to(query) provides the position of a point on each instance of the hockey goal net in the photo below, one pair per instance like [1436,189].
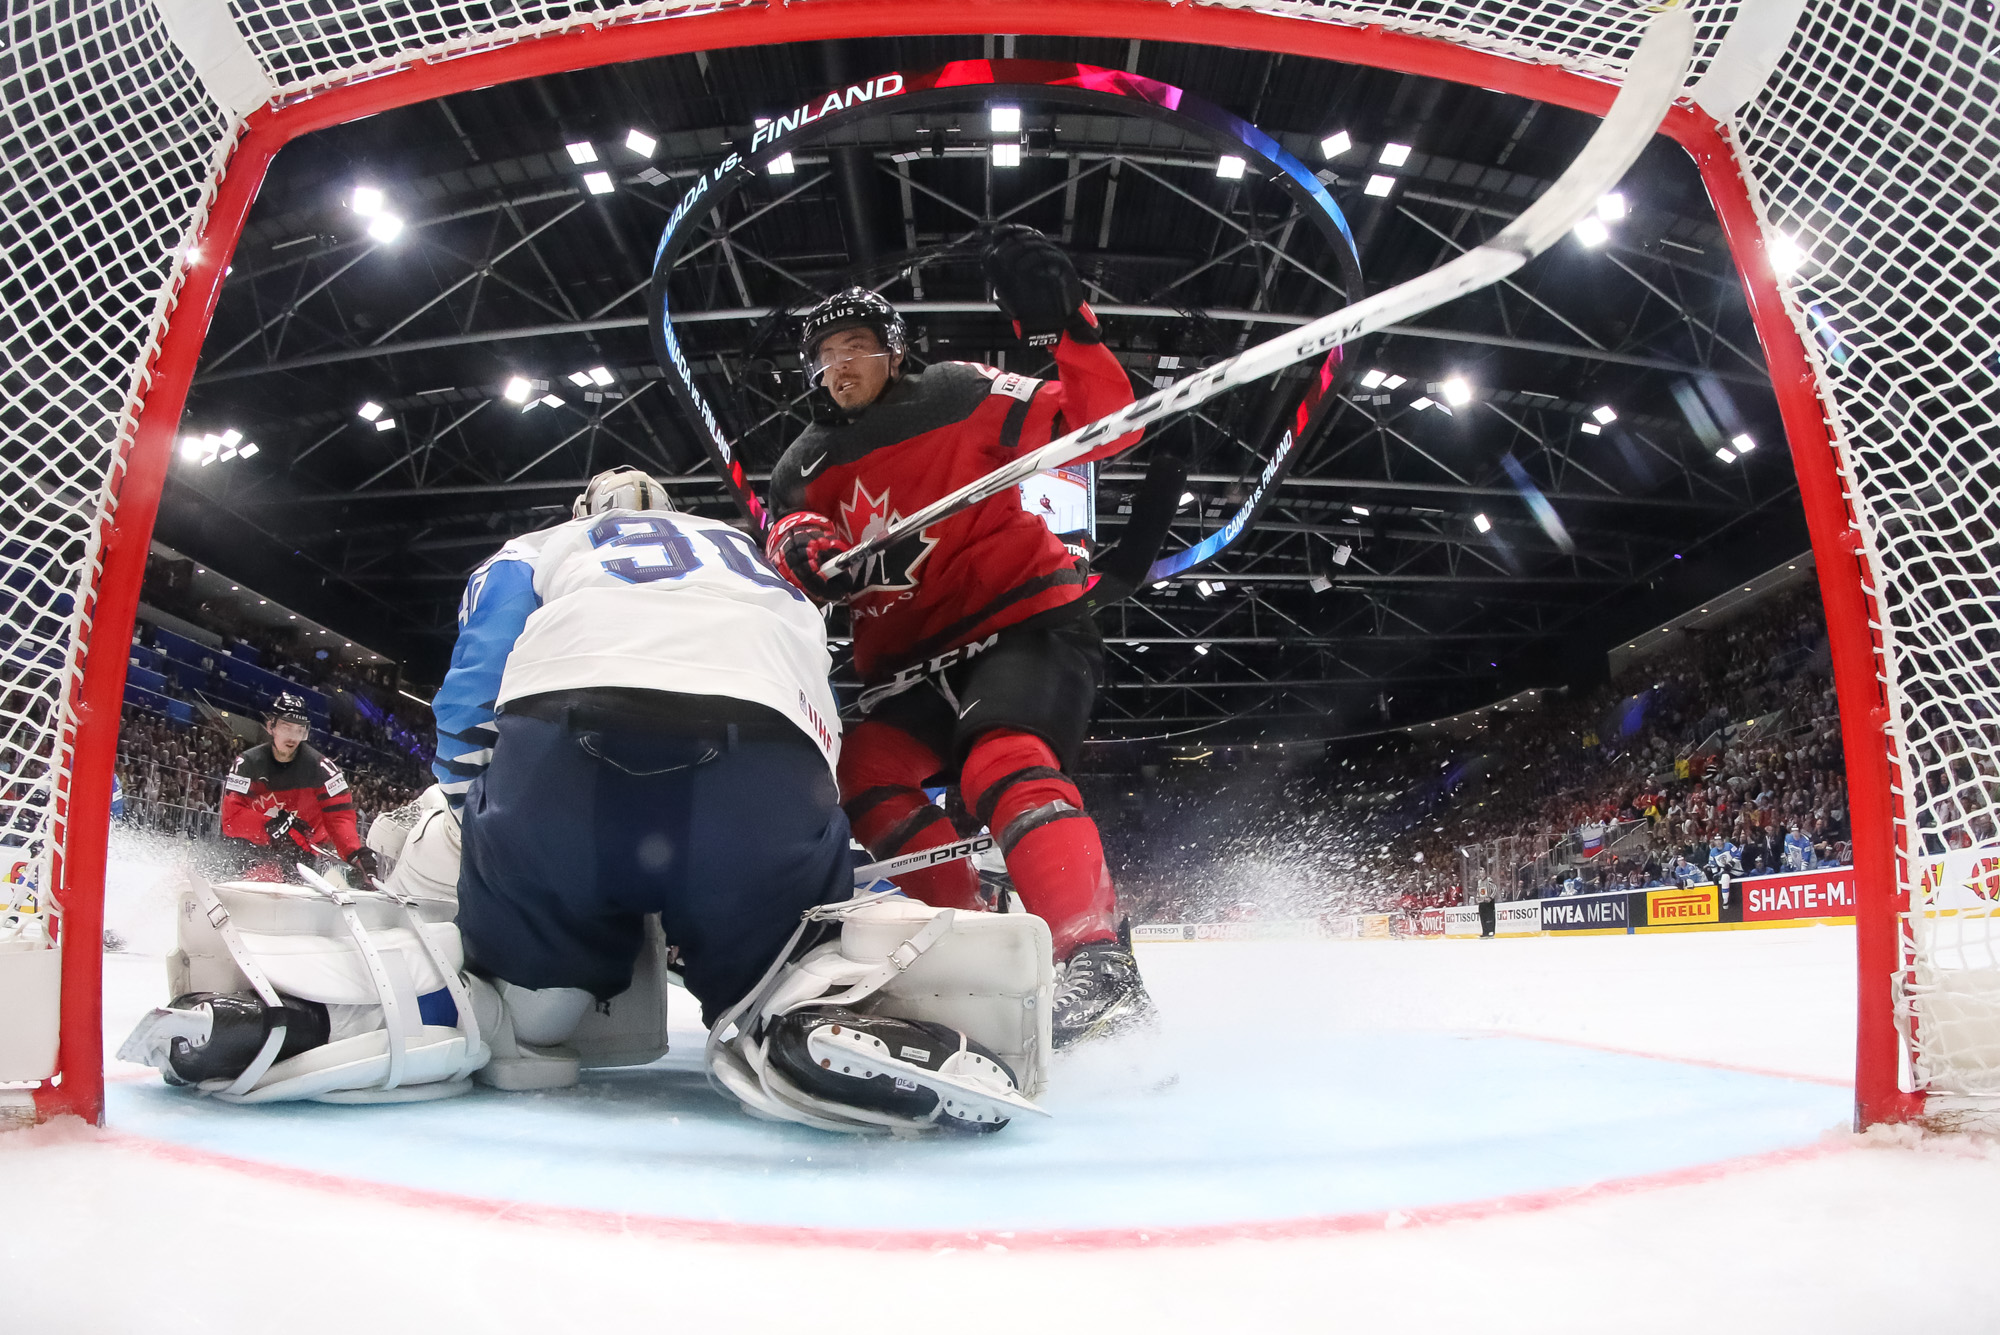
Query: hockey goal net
[1849,141]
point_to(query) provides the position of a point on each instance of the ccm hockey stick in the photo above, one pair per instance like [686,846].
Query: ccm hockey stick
[1652,81]
[923,857]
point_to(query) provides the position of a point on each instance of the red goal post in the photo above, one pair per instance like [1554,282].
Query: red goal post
[130,173]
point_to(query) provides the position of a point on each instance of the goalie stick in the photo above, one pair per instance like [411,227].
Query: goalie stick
[1652,80]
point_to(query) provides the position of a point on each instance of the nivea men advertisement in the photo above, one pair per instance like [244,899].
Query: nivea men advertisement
[1587,913]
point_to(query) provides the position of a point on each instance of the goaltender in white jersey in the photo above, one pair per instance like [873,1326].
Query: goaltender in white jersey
[633,598]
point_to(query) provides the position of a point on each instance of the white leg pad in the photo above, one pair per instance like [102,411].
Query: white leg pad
[989,976]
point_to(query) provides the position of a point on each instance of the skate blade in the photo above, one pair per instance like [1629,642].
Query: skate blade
[152,1038]
[979,1093]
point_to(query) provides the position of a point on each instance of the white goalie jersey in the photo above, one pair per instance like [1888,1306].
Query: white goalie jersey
[650,600]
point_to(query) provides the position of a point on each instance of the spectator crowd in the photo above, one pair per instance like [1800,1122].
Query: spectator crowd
[1721,756]
[171,762]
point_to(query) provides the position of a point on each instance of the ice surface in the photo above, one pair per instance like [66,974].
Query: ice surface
[1349,1085]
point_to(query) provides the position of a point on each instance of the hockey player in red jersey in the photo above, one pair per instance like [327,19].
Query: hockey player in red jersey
[975,663]
[288,799]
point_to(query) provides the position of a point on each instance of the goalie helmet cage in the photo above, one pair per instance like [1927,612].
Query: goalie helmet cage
[1859,132]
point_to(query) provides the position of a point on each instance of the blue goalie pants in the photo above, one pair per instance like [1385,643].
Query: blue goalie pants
[578,829]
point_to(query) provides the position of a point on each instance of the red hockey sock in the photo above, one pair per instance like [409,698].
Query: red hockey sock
[1013,784]
[882,770]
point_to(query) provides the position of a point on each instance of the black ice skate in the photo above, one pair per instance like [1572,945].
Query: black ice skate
[907,1068]
[1101,994]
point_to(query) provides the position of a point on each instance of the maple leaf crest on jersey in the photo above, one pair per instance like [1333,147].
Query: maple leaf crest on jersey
[864,516]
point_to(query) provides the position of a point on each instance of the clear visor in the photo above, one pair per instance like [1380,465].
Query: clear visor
[828,359]
[287,732]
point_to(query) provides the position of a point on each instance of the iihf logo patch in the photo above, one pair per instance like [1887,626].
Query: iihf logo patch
[864,516]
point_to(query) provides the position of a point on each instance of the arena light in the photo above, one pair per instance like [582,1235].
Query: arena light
[1592,232]
[1482,523]
[1361,510]
[601,376]
[1004,120]
[517,390]
[1201,648]
[1187,498]
[550,401]
[1744,442]
[1006,155]
[1456,392]
[1379,185]
[781,165]
[1335,144]
[1726,456]
[369,411]
[1230,167]
[1612,207]
[385,227]
[385,424]
[1319,583]
[641,143]
[1422,404]
[1393,381]
[582,153]
[1785,254]
[580,379]
[1604,414]
[1591,429]
[598,183]
[249,449]
[1394,155]
[1374,379]
[366,200]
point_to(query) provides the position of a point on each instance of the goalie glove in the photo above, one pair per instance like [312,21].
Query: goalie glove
[798,544]
[1037,288]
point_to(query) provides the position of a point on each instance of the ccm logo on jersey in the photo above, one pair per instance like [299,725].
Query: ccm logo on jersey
[1016,386]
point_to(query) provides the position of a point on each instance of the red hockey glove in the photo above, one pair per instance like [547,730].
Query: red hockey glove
[797,545]
[1037,287]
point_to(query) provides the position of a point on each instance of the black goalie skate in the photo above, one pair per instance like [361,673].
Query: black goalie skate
[906,1068]
[1101,994]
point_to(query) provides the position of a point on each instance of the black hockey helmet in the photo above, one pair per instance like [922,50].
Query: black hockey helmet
[289,707]
[850,308]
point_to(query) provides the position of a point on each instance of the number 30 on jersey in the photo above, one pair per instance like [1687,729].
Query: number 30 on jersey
[643,549]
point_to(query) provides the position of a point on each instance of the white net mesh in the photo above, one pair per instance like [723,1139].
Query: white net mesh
[1874,147]
[107,142]
[1871,148]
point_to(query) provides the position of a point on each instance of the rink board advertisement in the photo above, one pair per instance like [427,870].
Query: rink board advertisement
[1674,907]
[1826,893]
[1588,913]
[1805,898]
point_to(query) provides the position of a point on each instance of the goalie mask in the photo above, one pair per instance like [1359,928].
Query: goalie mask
[621,489]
